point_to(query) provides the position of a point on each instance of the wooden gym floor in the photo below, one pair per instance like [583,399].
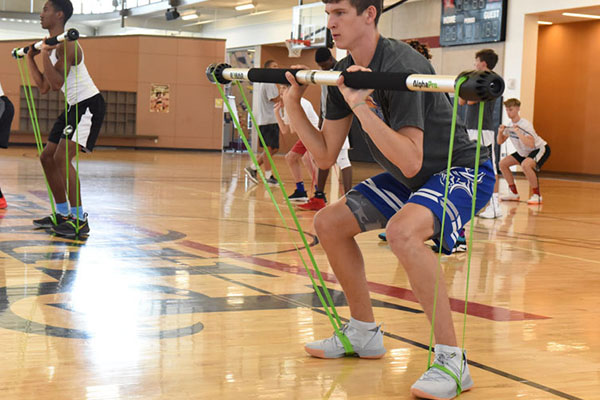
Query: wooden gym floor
[189,288]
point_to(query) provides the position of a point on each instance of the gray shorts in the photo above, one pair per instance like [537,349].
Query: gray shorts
[370,218]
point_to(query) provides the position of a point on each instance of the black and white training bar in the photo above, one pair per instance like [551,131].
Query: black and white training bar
[479,86]
[71,34]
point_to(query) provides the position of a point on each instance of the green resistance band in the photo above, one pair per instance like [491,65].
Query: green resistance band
[67,159]
[24,72]
[336,323]
[471,228]
[470,247]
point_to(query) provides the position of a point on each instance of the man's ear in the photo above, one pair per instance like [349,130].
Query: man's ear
[371,13]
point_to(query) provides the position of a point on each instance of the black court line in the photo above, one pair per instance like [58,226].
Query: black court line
[472,363]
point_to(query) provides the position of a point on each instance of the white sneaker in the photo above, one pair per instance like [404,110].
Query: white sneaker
[510,197]
[366,344]
[441,380]
[252,174]
[535,199]
[492,211]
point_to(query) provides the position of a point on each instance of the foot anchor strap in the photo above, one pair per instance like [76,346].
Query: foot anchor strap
[345,342]
[446,370]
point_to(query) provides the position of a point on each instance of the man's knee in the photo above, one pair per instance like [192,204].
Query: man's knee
[528,163]
[59,157]
[399,234]
[292,156]
[337,221]
[325,222]
[404,234]
[47,157]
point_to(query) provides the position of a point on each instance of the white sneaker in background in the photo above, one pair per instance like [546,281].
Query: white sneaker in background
[492,210]
[535,199]
[510,197]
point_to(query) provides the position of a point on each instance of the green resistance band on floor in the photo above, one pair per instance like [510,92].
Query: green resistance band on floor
[24,72]
[470,246]
[335,322]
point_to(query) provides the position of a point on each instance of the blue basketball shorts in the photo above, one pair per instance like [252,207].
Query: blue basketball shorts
[375,200]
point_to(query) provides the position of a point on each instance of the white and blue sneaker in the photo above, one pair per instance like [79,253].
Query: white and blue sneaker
[365,343]
[444,380]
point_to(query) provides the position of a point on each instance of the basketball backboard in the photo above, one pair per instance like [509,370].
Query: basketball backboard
[309,22]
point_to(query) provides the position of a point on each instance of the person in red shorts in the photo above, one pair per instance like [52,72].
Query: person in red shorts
[298,152]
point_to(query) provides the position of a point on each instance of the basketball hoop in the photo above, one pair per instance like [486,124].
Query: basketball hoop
[295,47]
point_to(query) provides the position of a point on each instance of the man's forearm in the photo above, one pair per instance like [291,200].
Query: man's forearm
[36,74]
[404,151]
[54,78]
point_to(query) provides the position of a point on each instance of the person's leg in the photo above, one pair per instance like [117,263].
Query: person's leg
[56,180]
[406,232]
[311,166]
[420,220]
[322,176]
[319,200]
[347,179]
[292,158]
[493,209]
[505,165]
[528,166]
[61,162]
[293,161]
[336,227]
[343,161]
[267,165]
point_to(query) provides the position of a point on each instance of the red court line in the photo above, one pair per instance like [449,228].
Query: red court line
[457,305]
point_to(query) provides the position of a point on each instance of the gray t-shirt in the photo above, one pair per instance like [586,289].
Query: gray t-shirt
[472,116]
[265,109]
[430,112]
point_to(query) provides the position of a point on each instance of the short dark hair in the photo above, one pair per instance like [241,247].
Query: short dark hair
[362,5]
[268,63]
[322,54]
[489,56]
[65,6]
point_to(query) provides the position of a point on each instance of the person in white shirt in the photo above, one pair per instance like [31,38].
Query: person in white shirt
[532,152]
[80,125]
[297,153]
[268,96]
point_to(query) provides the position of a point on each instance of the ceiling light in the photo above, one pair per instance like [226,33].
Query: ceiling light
[244,7]
[568,14]
[188,15]
[544,23]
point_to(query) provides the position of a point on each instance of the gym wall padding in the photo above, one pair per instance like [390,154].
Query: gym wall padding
[134,64]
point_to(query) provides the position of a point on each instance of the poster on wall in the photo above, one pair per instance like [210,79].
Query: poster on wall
[159,98]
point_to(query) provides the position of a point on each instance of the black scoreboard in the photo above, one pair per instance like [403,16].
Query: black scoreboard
[473,21]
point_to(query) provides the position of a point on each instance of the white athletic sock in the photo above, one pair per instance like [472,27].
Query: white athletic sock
[268,174]
[362,326]
[252,166]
